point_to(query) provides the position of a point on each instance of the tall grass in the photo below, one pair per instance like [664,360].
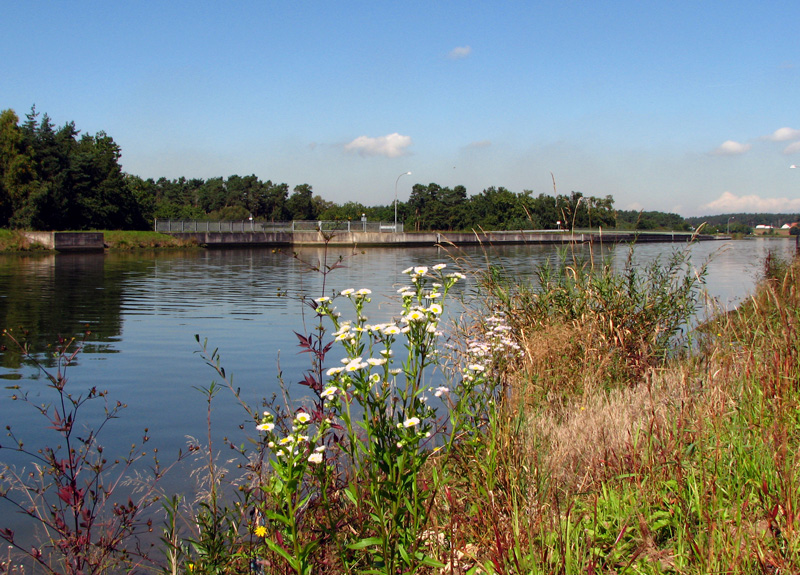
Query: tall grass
[623,451]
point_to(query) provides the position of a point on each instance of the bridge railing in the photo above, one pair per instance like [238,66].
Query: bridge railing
[245,226]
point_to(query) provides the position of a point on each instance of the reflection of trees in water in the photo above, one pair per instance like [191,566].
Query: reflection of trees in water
[59,295]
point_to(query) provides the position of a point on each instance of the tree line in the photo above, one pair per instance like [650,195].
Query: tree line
[55,178]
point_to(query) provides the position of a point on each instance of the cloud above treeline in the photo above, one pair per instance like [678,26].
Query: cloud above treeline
[728,202]
[786,134]
[390,146]
[459,52]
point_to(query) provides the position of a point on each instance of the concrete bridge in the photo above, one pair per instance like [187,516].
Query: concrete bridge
[390,238]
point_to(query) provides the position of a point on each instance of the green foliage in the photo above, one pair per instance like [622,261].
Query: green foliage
[51,179]
[625,320]
[650,221]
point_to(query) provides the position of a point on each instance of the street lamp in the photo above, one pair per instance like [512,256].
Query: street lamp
[395,197]
[728,230]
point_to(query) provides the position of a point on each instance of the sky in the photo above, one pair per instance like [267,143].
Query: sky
[690,107]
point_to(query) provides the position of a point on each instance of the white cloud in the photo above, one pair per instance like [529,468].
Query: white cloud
[783,135]
[729,202]
[459,52]
[792,148]
[731,148]
[391,145]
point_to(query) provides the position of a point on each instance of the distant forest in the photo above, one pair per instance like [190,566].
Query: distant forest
[55,179]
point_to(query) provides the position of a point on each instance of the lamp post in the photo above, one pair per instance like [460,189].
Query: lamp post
[728,230]
[395,197]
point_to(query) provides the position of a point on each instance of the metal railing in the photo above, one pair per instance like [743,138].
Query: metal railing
[245,226]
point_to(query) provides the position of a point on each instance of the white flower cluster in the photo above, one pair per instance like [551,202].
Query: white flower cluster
[295,444]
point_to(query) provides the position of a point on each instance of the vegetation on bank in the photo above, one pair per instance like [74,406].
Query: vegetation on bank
[577,426]
[132,240]
[15,241]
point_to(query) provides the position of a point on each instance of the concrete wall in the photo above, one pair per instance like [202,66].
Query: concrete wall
[68,241]
[315,238]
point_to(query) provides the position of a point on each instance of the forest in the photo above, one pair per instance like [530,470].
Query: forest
[55,178]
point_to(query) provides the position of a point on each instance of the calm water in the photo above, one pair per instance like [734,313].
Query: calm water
[145,309]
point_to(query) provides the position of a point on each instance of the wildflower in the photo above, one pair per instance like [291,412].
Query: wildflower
[441,390]
[414,315]
[475,367]
[411,422]
[363,292]
[328,393]
[408,293]
[456,275]
[268,426]
[356,364]
[408,270]
[436,309]
[420,270]
[315,457]
[347,292]
[260,531]
[395,371]
[376,361]
[302,417]
[438,267]
[285,440]
[335,371]
[322,299]
[319,449]
[391,330]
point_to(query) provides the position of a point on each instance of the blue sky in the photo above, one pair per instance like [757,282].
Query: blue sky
[687,107]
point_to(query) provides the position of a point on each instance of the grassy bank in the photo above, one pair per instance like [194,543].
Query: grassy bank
[579,428]
[15,241]
[131,240]
[625,451]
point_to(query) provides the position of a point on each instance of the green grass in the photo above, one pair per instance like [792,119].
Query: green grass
[128,240]
[14,241]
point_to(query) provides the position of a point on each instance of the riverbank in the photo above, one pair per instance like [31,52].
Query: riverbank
[12,241]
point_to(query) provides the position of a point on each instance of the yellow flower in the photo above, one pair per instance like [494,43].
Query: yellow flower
[260,531]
